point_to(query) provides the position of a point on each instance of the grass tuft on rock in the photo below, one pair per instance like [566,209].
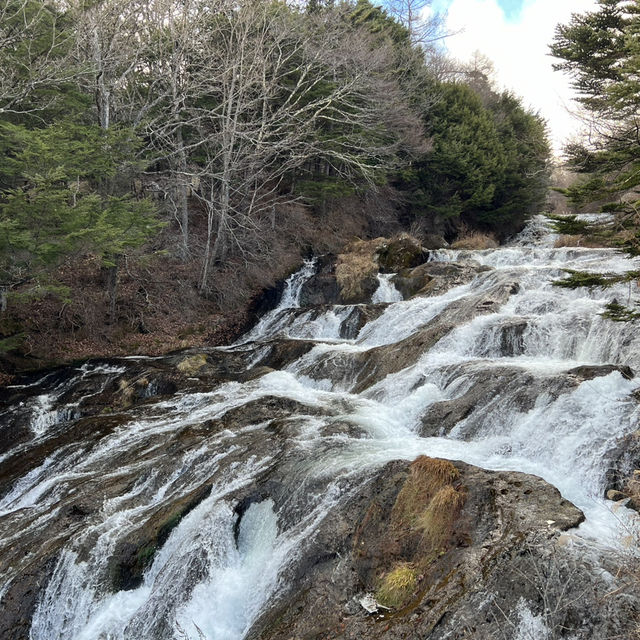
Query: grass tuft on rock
[191,365]
[398,586]
[356,267]
[476,241]
[438,518]
[426,477]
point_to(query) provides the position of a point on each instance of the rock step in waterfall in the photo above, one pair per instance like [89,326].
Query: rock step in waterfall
[267,489]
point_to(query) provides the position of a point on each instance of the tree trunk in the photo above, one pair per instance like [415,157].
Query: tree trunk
[182,204]
[112,288]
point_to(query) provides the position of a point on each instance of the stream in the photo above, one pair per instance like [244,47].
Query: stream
[263,457]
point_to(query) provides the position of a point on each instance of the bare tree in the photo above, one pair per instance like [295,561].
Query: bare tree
[109,48]
[159,98]
[33,54]
[425,26]
[275,81]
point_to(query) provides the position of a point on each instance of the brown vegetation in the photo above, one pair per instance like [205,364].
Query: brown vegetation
[398,586]
[159,308]
[356,265]
[427,476]
[437,520]
[424,515]
[475,241]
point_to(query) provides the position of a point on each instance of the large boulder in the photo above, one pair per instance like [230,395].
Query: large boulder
[437,550]
[435,278]
[322,287]
[351,276]
[401,252]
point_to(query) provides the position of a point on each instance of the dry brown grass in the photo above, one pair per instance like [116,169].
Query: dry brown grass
[356,265]
[475,241]
[437,520]
[424,516]
[398,586]
[427,476]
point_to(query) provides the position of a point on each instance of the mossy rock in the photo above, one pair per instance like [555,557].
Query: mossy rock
[403,252]
[192,364]
[133,555]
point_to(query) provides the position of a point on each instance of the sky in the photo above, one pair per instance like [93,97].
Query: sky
[515,35]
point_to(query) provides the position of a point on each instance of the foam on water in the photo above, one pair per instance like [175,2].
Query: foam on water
[386,291]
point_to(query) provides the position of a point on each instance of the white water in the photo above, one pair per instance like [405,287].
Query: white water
[386,291]
[273,321]
[201,581]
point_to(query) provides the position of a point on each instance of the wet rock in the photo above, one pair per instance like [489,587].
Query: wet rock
[282,352]
[512,337]
[435,278]
[623,471]
[134,553]
[459,549]
[476,402]
[90,430]
[21,598]
[589,372]
[255,373]
[350,278]
[359,289]
[320,289]
[411,282]
[358,371]
[359,316]
[377,363]
[266,301]
[402,252]
[208,366]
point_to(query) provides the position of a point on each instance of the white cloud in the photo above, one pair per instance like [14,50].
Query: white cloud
[520,51]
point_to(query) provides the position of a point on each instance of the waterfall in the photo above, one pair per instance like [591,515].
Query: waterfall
[386,291]
[503,347]
[275,320]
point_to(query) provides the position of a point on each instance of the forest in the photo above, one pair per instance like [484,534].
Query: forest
[164,162]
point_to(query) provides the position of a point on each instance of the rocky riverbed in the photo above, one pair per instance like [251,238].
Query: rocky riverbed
[416,442]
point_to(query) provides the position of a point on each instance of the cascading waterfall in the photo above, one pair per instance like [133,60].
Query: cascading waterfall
[386,291]
[278,318]
[509,329]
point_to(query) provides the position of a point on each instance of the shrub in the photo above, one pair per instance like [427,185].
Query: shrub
[475,241]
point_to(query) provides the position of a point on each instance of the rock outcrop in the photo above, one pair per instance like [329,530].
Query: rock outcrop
[623,472]
[439,550]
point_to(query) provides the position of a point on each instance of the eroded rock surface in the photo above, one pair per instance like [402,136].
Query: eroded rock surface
[453,551]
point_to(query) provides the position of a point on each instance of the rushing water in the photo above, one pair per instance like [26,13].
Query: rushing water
[219,567]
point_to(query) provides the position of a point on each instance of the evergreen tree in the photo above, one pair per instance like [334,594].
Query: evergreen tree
[488,165]
[61,198]
[601,52]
